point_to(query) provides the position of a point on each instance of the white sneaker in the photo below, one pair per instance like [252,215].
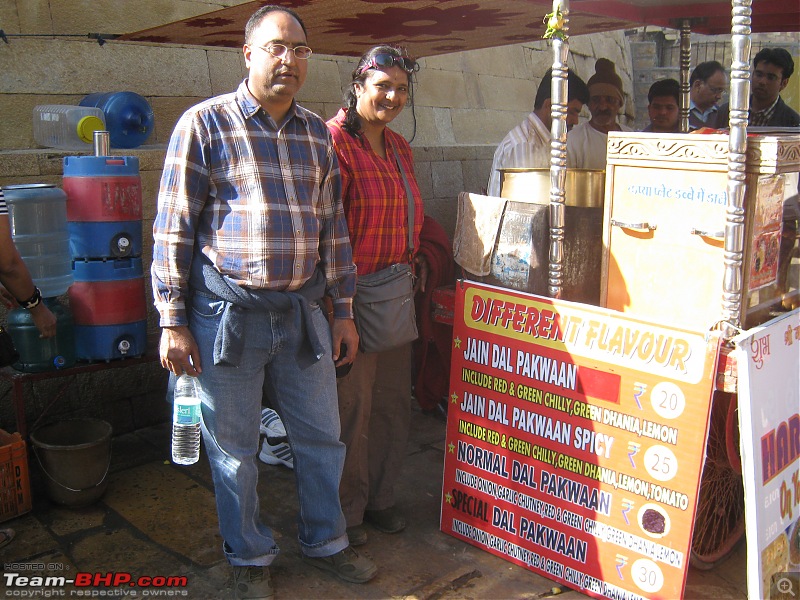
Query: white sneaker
[272,426]
[276,449]
[279,454]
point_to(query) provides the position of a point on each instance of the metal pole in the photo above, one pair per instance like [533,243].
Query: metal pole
[737,148]
[558,152]
[686,60]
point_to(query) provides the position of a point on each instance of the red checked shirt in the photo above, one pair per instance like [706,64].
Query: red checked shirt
[374,198]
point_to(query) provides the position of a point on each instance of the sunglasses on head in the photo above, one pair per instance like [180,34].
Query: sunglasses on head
[385,61]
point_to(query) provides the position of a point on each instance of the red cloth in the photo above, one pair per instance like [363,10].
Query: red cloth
[432,349]
[374,198]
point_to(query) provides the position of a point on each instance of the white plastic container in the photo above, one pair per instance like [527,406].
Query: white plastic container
[67,127]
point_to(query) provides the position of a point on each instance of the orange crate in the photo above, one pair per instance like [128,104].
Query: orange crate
[15,483]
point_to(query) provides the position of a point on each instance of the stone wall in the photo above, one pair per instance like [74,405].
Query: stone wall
[464,103]
[461,98]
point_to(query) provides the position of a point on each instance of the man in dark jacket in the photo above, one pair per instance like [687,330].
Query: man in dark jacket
[772,68]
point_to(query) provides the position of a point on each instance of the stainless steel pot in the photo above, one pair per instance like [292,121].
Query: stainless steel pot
[583,187]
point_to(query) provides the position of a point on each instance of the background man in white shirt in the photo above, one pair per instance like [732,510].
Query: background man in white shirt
[527,146]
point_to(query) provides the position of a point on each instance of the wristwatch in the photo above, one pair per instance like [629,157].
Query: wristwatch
[33,301]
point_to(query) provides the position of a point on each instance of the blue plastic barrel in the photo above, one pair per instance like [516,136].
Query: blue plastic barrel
[129,117]
[109,309]
[104,206]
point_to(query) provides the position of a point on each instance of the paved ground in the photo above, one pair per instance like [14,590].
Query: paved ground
[159,519]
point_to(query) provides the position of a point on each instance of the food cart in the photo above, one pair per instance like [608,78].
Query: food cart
[682,214]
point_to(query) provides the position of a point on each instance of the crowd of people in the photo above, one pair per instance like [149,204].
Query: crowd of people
[266,213]
[527,145]
[267,216]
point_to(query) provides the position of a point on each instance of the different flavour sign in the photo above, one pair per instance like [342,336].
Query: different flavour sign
[575,440]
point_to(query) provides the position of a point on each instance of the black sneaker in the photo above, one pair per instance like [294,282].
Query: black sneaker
[347,565]
[388,520]
[252,583]
[357,535]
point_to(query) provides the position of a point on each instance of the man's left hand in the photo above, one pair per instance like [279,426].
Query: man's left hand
[344,332]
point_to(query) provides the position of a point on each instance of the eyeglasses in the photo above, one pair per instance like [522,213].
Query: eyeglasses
[280,50]
[717,91]
[409,65]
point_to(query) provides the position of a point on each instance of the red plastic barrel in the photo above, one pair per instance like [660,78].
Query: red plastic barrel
[102,188]
[108,302]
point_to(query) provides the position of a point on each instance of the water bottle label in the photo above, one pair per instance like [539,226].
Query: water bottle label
[187,414]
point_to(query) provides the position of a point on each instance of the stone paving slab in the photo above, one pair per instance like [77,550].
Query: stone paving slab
[157,518]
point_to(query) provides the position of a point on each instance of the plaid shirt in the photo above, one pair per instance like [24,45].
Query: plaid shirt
[762,118]
[374,198]
[261,201]
[3,207]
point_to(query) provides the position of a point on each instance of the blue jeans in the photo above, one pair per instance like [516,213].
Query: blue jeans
[304,393]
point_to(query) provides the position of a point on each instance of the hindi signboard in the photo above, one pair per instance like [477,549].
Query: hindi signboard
[768,360]
[575,440]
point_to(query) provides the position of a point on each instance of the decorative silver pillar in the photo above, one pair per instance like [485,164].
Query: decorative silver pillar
[686,60]
[558,151]
[737,148]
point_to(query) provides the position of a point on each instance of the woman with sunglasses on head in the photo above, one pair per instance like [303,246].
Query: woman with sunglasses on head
[375,396]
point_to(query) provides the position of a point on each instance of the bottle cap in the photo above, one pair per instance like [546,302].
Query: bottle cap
[87,126]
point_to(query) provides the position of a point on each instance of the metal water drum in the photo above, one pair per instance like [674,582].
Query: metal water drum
[38,354]
[104,206]
[108,305]
[521,258]
[38,218]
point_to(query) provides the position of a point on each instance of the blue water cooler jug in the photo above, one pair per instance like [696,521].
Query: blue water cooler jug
[38,217]
[37,354]
[129,117]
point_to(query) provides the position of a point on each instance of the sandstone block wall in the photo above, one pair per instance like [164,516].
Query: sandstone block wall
[464,104]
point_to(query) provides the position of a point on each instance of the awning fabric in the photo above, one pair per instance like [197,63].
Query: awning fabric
[432,27]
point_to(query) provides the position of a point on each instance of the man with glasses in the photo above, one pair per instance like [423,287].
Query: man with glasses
[708,83]
[249,236]
[772,68]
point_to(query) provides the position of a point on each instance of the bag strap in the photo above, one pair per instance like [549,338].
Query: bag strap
[410,198]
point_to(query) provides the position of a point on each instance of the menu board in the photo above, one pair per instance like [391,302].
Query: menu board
[768,361]
[575,440]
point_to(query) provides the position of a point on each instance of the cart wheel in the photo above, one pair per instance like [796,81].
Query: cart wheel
[719,524]
[732,434]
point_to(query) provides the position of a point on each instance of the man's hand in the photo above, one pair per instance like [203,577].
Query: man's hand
[344,332]
[179,352]
[44,320]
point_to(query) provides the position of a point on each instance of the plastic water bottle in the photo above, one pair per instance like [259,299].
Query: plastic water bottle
[186,422]
[129,117]
[66,127]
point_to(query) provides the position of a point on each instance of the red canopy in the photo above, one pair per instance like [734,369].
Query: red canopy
[431,27]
